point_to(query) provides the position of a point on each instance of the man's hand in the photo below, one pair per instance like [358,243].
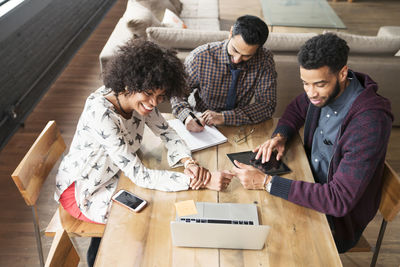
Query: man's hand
[192,126]
[277,143]
[219,180]
[213,118]
[250,177]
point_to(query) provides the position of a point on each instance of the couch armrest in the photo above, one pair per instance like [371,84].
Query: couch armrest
[118,37]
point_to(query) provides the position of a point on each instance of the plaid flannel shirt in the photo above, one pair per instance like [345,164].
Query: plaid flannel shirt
[208,72]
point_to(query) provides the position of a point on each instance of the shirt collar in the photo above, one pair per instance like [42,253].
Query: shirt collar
[224,53]
[347,94]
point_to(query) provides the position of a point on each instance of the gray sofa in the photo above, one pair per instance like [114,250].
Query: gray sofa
[141,14]
[377,56]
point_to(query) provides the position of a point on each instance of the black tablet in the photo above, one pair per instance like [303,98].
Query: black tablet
[272,167]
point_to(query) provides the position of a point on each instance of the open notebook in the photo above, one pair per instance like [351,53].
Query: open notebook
[210,136]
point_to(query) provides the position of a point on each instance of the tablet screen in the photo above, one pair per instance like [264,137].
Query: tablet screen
[272,167]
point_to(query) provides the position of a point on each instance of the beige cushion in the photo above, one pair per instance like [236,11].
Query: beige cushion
[370,44]
[288,42]
[183,38]
[158,7]
[138,18]
[190,39]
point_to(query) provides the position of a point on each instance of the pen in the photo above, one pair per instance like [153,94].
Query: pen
[195,118]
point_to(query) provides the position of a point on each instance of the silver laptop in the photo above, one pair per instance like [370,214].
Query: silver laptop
[220,225]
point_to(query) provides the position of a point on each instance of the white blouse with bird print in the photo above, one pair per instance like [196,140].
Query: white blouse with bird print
[104,144]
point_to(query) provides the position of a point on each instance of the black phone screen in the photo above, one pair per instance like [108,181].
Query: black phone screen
[271,167]
[129,200]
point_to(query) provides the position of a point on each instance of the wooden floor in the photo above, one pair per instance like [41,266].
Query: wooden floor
[64,102]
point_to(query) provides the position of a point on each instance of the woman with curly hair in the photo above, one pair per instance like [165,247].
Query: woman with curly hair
[110,130]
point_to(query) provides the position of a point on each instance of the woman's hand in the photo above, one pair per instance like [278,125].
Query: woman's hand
[276,143]
[250,177]
[199,175]
[219,180]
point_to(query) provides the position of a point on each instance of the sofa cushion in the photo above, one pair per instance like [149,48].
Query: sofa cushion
[190,39]
[370,44]
[200,9]
[183,38]
[172,20]
[138,18]
[158,7]
[287,42]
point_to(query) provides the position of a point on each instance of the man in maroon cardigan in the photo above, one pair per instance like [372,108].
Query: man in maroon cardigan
[346,131]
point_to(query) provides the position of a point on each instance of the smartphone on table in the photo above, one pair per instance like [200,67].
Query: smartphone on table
[129,200]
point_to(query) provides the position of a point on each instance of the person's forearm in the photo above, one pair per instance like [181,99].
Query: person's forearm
[180,108]
[250,114]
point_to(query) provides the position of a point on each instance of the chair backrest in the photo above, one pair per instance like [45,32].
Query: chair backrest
[34,168]
[62,252]
[390,200]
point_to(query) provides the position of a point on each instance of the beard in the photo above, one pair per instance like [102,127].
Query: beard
[331,98]
[334,94]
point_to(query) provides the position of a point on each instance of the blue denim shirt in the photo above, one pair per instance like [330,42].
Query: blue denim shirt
[330,120]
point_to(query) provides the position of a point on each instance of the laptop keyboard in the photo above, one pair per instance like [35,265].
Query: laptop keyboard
[193,220]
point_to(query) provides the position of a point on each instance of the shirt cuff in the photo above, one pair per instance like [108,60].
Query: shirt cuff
[184,114]
[229,117]
[280,187]
[283,130]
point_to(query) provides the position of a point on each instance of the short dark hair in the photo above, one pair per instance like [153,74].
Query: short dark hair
[253,30]
[142,66]
[324,50]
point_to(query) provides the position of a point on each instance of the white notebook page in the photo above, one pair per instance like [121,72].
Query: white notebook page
[210,136]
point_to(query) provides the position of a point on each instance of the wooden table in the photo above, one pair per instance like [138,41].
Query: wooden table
[298,236]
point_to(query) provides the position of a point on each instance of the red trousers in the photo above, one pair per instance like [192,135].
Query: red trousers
[68,201]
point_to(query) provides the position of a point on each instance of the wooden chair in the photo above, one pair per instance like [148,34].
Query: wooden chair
[29,177]
[389,208]
[62,252]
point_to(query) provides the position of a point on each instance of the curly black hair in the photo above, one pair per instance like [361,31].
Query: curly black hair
[143,66]
[253,30]
[324,50]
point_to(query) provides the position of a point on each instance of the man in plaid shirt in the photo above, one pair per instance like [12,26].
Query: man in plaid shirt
[210,70]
